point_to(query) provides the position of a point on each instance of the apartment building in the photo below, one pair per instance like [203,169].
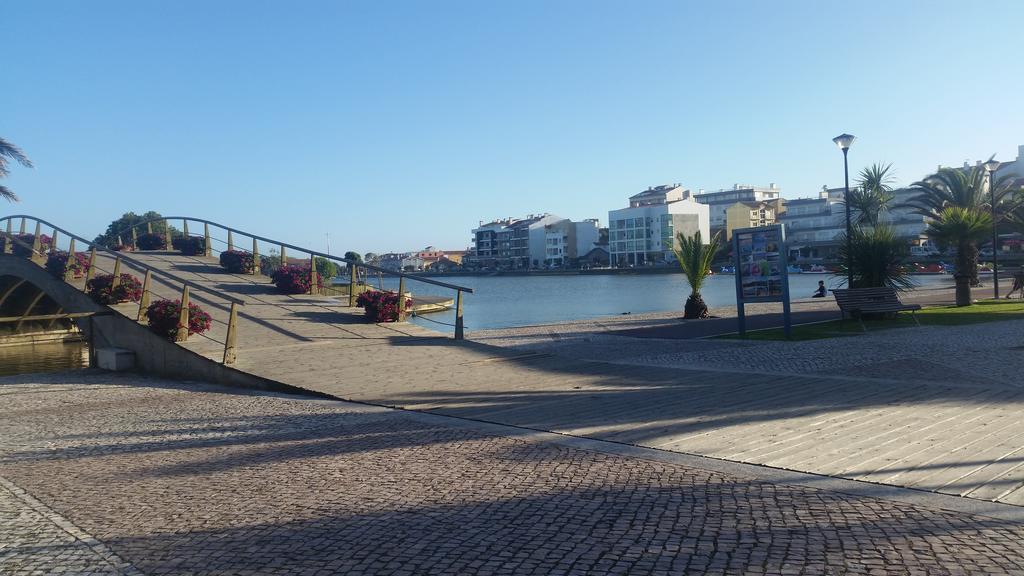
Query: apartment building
[539,240]
[751,214]
[645,233]
[719,201]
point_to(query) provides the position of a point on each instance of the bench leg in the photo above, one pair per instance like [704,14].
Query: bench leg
[860,318]
[913,315]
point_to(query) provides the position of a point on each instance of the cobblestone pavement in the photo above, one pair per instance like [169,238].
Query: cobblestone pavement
[174,478]
[980,354]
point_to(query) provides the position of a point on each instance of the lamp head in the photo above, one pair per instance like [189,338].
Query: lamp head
[844,141]
[991,166]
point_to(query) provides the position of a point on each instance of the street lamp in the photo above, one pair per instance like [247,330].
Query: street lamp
[990,167]
[844,141]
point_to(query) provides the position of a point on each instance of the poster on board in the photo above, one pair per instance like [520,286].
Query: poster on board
[762,270]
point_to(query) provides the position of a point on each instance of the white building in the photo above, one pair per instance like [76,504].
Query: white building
[644,234]
[536,241]
[565,241]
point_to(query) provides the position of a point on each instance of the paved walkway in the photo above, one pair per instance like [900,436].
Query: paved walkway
[106,474]
[931,408]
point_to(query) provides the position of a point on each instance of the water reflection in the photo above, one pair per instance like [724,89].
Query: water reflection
[49,357]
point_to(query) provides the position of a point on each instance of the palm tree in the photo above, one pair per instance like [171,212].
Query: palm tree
[964,228]
[875,257]
[873,194]
[9,152]
[695,259]
[967,189]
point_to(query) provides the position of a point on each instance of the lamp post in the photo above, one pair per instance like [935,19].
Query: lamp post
[990,167]
[844,141]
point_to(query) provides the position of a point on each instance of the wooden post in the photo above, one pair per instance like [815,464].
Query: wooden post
[229,342]
[459,331]
[207,250]
[231,241]
[53,242]
[144,301]
[255,257]
[10,225]
[351,284]
[167,236]
[68,274]
[92,264]
[312,275]
[149,227]
[183,317]
[184,227]
[117,274]
[37,244]
[401,298]
[21,230]
[135,239]
[284,258]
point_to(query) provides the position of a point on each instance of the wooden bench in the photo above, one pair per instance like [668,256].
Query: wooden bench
[856,302]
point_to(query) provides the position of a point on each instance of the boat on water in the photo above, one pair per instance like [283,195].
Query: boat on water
[793,269]
[817,269]
[919,270]
[727,270]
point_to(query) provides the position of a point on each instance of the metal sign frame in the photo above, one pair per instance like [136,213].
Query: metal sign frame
[776,233]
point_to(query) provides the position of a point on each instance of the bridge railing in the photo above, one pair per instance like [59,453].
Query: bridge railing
[232,239]
[39,252]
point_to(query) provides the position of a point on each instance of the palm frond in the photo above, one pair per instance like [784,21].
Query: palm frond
[874,258]
[7,194]
[695,257]
[9,151]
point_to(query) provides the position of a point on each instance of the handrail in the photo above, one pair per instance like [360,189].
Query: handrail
[124,256]
[298,248]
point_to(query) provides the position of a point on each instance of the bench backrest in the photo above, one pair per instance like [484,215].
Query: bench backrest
[851,298]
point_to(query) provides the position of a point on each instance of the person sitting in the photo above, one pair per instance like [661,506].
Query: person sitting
[821,291]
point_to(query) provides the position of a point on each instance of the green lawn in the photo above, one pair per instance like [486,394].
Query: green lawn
[983,311]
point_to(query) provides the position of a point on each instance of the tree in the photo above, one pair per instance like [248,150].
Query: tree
[875,257]
[122,227]
[10,152]
[695,259]
[353,256]
[964,228]
[966,189]
[873,194]
[370,257]
[325,268]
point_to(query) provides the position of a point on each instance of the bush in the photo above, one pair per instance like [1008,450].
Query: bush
[57,261]
[381,306]
[163,315]
[191,246]
[23,246]
[237,262]
[291,279]
[151,242]
[128,290]
[876,258]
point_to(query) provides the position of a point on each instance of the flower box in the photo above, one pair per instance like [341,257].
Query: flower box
[151,241]
[237,262]
[100,288]
[56,264]
[291,279]
[381,306]
[25,242]
[190,246]
[162,317]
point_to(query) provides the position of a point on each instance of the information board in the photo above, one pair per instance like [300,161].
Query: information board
[762,269]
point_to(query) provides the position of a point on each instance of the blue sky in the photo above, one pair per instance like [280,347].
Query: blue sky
[394,125]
